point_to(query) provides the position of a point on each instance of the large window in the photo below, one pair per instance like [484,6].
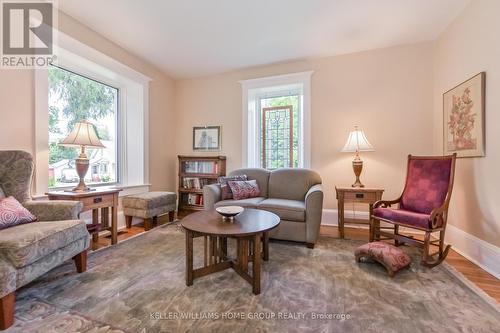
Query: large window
[73,98]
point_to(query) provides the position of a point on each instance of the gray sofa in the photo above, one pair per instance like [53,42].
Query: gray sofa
[295,195]
[28,251]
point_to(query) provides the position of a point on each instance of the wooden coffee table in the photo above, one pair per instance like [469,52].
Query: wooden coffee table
[250,229]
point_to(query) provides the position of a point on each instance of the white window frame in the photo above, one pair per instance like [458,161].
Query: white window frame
[252,91]
[133,104]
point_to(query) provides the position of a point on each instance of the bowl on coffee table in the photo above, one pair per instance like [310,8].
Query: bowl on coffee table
[229,212]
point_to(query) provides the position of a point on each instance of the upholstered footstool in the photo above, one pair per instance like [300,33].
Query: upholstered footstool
[391,257]
[149,206]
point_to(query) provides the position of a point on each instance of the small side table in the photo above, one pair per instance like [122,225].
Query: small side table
[100,198]
[355,195]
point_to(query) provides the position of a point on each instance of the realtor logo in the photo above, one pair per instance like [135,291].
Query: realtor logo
[27,34]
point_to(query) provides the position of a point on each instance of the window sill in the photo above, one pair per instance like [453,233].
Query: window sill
[127,190]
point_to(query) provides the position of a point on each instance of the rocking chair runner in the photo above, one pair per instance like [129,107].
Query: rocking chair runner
[423,205]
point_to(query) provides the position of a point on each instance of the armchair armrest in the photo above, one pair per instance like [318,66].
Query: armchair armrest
[54,210]
[211,195]
[437,216]
[386,203]
[314,211]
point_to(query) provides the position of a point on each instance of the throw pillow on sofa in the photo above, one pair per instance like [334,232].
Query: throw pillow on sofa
[244,189]
[13,213]
[226,192]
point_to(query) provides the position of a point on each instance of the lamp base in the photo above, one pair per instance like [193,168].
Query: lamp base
[82,166]
[357,166]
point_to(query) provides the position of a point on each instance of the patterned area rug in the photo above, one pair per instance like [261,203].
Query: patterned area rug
[138,286]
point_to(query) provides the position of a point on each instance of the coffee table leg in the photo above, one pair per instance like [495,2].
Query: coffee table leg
[189,258]
[265,240]
[256,264]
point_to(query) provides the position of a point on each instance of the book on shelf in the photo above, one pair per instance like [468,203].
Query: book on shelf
[195,199]
[194,183]
[200,167]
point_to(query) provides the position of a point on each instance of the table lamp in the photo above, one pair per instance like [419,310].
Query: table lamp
[357,142]
[83,135]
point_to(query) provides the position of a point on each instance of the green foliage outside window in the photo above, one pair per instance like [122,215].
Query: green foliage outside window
[277,160]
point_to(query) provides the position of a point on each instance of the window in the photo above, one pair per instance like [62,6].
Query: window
[276,121]
[72,98]
[279,137]
[119,110]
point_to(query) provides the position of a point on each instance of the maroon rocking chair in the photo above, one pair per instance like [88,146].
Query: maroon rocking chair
[423,206]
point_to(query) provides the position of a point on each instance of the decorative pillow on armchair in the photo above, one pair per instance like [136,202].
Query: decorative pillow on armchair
[225,189]
[13,213]
[244,189]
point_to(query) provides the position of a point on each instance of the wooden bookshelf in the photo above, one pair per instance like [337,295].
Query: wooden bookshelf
[194,173]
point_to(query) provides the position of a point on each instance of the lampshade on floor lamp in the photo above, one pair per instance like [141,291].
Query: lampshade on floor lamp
[357,142]
[83,135]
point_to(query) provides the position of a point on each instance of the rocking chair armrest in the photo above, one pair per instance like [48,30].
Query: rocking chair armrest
[385,203]
[437,214]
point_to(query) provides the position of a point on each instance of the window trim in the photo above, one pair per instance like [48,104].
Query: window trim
[133,97]
[250,115]
[119,139]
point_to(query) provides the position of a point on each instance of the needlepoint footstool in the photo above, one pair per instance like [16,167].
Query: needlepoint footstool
[391,257]
[149,206]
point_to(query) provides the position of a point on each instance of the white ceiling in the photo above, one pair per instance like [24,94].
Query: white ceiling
[189,38]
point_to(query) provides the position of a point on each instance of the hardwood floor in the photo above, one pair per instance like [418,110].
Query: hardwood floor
[487,282]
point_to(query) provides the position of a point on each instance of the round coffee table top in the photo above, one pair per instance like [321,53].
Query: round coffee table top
[247,223]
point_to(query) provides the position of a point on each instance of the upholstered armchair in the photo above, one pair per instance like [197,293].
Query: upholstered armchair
[29,250]
[423,205]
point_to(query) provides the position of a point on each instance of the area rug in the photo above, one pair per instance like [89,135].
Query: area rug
[139,286]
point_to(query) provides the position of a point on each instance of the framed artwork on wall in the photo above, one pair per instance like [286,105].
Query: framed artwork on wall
[464,118]
[206,138]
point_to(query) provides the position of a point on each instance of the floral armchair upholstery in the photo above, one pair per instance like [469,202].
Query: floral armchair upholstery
[27,251]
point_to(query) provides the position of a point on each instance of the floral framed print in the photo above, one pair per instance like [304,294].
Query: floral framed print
[464,118]
[206,138]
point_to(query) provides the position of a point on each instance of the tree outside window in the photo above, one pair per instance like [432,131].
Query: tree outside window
[73,98]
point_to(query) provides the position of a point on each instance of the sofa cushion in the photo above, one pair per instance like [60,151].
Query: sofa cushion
[24,244]
[12,213]
[149,200]
[292,184]
[244,189]
[226,192]
[291,210]
[260,175]
[247,203]
[403,216]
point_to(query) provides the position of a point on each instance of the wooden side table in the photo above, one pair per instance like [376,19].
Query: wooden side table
[100,198]
[356,195]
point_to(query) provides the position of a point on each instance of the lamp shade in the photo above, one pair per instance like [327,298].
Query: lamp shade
[83,134]
[356,142]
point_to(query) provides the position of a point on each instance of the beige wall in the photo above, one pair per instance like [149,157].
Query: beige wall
[17,105]
[471,44]
[388,92]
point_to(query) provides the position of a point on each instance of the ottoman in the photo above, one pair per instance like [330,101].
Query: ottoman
[149,206]
[391,257]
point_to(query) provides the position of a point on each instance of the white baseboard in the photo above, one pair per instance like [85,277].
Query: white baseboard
[330,217]
[481,253]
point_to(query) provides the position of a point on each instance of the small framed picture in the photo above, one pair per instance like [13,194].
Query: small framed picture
[206,138]
[464,118]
